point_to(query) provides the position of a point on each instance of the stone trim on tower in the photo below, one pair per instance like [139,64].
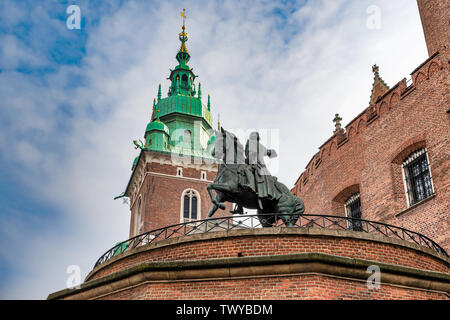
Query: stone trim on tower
[138,221]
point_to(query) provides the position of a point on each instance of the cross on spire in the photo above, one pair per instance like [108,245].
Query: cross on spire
[379,87]
[183,14]
[375,69]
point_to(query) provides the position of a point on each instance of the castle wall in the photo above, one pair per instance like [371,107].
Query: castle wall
[367,157]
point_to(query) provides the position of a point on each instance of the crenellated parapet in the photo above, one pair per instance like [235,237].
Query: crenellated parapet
[381,105]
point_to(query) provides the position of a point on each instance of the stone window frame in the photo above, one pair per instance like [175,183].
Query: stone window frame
[191,193]
[203,175]
[179,172]
[407,183]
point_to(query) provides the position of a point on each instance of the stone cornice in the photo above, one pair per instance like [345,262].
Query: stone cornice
[261,266]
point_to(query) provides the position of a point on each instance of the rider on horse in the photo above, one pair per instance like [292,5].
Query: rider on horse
[246,182]
[257,176]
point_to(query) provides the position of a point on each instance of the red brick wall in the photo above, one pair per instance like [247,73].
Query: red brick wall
[436,23]
[283,286]
[162,190]
[229,247]
[306,286]
[367,157]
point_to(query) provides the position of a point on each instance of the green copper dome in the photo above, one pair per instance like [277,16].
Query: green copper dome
[157,125]
[184,105]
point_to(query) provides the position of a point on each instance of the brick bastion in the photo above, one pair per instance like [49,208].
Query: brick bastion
[269,263]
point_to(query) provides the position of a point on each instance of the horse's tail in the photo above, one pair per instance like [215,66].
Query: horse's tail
[291,204]
[299,205]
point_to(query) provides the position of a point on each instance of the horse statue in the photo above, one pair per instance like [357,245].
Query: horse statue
[238,178]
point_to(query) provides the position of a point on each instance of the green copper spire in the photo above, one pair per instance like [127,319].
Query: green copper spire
[182,77]
[183,54]
[153,110]
[180,122]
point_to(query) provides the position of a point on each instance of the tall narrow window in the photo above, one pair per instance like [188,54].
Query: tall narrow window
[353,210]
[190,205]
[187,207]
[418,182]
[194,207]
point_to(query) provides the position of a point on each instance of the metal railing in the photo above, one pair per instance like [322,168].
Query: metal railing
[257,221]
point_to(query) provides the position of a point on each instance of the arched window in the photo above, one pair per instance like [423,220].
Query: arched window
[187,136]
[190,205]
[187,142]
[184,78]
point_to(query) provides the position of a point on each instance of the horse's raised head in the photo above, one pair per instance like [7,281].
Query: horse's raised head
[227,147]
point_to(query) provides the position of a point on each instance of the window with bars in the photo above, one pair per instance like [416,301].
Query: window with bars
[353,210]
[417,174]
[190,205]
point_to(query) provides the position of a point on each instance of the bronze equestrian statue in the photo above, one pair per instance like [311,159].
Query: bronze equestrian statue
[246,181]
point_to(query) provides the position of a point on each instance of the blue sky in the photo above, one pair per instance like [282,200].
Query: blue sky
[72,101]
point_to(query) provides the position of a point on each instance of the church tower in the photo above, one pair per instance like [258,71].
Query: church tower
[169,177]
[435,16]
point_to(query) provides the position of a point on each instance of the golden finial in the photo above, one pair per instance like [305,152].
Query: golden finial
[183,35]
[183,54]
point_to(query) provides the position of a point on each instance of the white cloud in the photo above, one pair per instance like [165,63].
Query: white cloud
[293,78]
